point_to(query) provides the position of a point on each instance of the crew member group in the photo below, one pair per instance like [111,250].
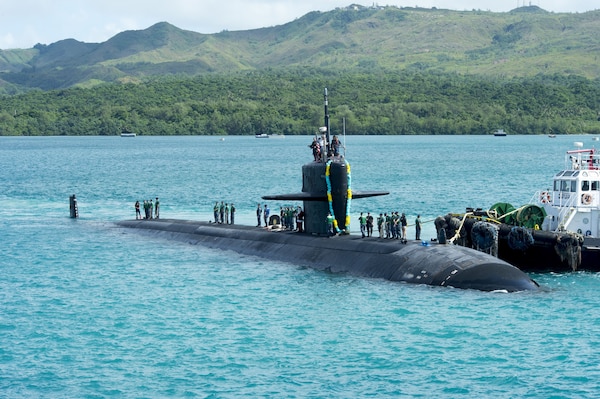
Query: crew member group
[151,209]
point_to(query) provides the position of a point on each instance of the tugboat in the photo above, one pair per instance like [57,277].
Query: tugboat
[558,231]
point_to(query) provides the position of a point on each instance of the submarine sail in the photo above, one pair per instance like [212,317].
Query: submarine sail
[326,187]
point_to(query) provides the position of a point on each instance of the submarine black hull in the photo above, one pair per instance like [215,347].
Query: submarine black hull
[436,264]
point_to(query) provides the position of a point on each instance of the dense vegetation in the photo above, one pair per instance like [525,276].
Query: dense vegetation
[290,102]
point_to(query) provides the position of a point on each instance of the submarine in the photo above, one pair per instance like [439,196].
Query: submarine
[327,192]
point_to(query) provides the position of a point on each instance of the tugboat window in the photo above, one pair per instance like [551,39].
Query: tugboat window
[585,185]
[595,185]
[564,185]
[573,186]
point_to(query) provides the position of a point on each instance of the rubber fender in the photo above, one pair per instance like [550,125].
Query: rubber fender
[441,236]
[520,238]
[484,235]
[440,223]
[453,223]
[440,228]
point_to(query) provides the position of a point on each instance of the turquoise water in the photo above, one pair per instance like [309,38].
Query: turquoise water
[90,310]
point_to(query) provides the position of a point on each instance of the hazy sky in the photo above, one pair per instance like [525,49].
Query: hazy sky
[23,23]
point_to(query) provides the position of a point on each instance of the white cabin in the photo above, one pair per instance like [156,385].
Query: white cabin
[574,202]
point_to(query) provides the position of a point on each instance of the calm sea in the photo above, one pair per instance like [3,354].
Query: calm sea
[89,310]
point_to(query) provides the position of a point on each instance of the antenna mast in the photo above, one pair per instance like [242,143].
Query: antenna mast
[326,122]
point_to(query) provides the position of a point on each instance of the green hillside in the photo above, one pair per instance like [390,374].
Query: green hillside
[524,42]
[290,102]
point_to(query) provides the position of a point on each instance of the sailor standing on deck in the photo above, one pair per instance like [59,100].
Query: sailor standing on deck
[323,144]
[300,220]
[316,149]
[291,216]
[388,225]
[404,223]
[380,225]
[418,227]
[258,213]
[363,224]
[335,143]
[156,208]
[395,225]
[232,211]
[330,231]
[266,214]
[216,212]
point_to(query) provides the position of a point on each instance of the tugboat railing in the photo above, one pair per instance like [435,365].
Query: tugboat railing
[566,208]
[566,213]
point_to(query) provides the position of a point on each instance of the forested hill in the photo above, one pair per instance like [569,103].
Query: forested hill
[291,102]
[524,42]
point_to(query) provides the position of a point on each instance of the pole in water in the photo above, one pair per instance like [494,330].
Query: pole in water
[73,206]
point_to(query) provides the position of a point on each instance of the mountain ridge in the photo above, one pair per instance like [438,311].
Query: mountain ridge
[523,42]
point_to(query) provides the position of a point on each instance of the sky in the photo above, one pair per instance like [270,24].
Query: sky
[24,23]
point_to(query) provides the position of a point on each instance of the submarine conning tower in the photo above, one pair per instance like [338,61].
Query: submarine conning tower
[331,182]
[328,178]
[326,187]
